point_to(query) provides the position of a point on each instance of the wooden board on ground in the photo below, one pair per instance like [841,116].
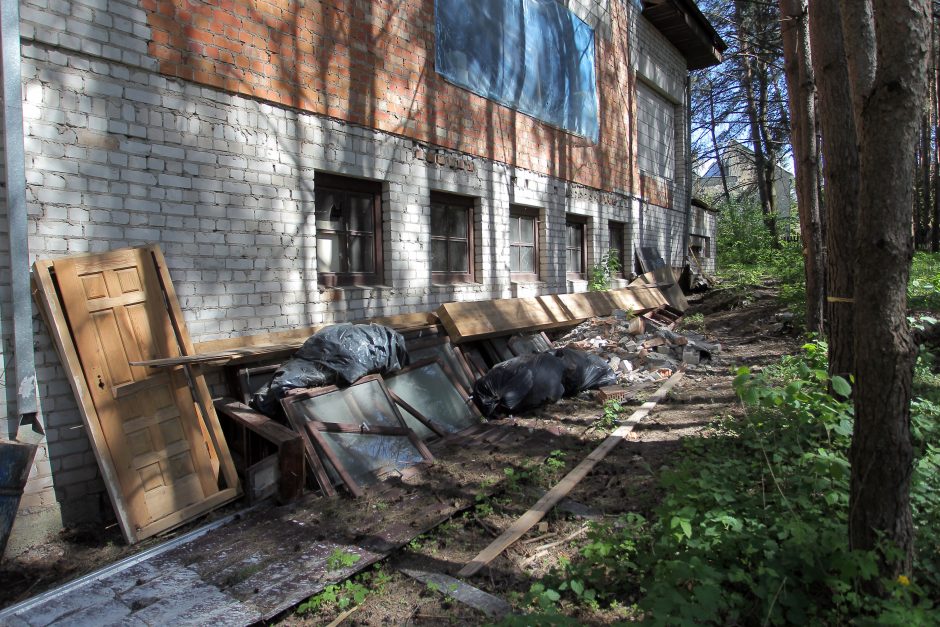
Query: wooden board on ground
[563,487]
[491,605]
[477,320]
[665,277]
[159,447]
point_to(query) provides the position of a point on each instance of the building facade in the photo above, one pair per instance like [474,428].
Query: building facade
[304,161]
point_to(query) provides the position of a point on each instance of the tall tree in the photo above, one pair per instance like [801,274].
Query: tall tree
[745,97]
[840,171]
[801,86]
[887,44]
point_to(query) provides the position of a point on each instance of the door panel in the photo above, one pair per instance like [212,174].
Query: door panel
[153,433]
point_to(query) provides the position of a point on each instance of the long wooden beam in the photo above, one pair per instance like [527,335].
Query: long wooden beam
[477,320]
[563,487]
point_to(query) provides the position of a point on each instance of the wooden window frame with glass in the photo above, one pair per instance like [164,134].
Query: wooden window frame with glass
[312,429]
[519,215]
[450,239]
[618,228]
[339,227]
[581,224]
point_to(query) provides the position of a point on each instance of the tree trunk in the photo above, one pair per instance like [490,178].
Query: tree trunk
[935,106]
[888,98]
[802,97]
[840,171]
[719,158]
[764,192]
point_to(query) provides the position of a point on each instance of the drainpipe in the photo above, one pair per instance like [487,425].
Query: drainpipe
[15,157]
[688,169]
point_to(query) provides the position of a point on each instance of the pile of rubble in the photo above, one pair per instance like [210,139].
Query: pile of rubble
[639,349]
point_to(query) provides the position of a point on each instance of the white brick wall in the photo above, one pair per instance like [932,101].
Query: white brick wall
[118,155]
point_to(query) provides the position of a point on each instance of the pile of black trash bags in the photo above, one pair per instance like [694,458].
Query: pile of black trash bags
[531,381]
[340,354]
[344,353]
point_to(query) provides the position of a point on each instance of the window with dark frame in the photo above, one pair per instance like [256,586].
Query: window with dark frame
[574,248]
[616,244]
[523,243]
[451,238]
[349,230]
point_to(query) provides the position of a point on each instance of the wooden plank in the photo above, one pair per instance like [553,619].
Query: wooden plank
[664,276]
[296,337]
[289,443]
[477,320]
[491,605]
[210,422]
[563,487]
[45,293]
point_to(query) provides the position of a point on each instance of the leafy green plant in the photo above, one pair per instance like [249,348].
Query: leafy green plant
[603,271]
[340,559]
[348,593]
[610,418]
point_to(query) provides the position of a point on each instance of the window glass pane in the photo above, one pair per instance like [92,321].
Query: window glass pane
[527,259]
[364,403]
[438,255]
[360,209]
[329,253]
[458,257]
[574,260]
[514,229]
[527,230]
[458,222]
[514,259]
[329,210]
[367,456]
[429,390]
[361,253]
[438,220]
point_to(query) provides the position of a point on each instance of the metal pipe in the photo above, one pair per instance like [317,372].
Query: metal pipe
[688,169]
[15,156]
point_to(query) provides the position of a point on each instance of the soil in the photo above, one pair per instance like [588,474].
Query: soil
[546,444]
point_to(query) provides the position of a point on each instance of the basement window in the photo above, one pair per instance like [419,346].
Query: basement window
[523,243]
[451,238]
[349,230]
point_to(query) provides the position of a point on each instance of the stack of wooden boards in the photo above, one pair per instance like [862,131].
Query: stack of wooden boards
[165,455]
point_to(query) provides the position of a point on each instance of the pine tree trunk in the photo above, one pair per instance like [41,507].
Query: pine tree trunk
[802,98]
[892,92]
[840,171]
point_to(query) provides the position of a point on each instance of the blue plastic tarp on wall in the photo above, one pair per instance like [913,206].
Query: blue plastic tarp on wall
[532,55]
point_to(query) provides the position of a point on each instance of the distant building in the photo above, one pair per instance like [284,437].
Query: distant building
[740,175]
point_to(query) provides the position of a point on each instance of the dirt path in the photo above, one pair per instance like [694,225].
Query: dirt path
[625,481]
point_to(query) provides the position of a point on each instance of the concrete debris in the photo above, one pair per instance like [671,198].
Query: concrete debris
[640,352]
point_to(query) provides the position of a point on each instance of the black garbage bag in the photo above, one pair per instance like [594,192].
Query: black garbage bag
[520,383]
[584,371]
[342,354]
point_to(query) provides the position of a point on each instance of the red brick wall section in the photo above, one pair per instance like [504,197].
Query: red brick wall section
[371,62]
